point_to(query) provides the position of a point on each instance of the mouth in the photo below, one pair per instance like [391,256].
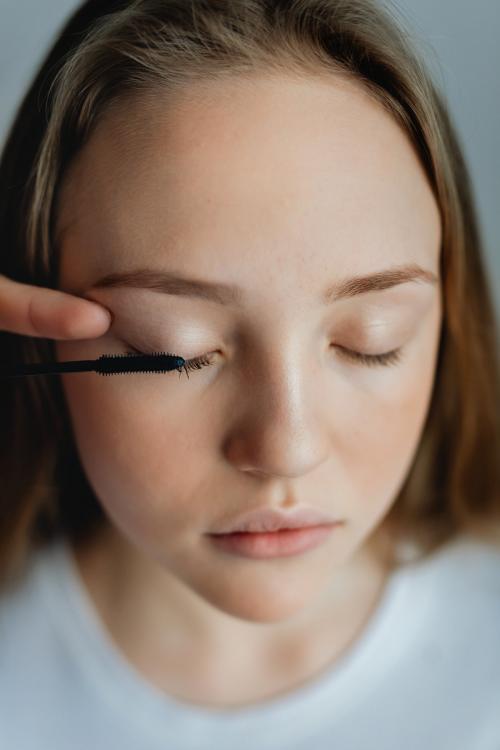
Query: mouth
[272,544]
[267,519]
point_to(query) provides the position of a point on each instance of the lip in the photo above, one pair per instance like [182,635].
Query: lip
[272,544]
[268,520]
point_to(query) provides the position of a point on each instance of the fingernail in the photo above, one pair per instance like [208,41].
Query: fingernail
[103,314]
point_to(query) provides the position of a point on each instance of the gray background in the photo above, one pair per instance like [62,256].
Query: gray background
[459,40]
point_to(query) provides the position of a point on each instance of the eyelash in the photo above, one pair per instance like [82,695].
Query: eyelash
[374,360]
[371,360]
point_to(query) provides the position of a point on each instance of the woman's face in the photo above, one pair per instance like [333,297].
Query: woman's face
[283,188]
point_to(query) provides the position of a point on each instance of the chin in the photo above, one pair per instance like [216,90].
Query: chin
[257,602]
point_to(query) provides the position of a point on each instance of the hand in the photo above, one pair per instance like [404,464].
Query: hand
[37,311]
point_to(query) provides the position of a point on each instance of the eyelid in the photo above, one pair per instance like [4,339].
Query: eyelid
[392,357]
[361,359]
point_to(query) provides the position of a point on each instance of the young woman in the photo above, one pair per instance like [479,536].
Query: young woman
[275,192]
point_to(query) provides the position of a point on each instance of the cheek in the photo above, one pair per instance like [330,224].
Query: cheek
[386,433]
[135,460]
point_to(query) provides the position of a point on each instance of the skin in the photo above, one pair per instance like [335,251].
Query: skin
[282,187]
[30,310]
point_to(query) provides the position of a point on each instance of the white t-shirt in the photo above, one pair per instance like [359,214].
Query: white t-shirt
[424,675]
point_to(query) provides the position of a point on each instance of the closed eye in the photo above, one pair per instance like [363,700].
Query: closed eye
[370,360]
[388,358]
[189,364]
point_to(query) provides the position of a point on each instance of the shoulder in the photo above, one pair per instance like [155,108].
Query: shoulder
[467,564]
[460,594]
[464,572]
[24,614]
[450,616]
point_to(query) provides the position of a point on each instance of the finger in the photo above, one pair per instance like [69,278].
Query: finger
[37,311]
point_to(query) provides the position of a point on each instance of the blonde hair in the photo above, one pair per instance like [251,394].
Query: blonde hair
[110,51]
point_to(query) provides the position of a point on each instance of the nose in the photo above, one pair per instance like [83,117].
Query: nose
[281,430]
[253,455]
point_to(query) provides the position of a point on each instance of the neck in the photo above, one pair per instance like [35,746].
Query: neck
[180,642]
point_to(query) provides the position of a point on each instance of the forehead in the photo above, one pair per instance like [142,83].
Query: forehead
[295,173]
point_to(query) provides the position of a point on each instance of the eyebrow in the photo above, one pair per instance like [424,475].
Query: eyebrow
[231,295]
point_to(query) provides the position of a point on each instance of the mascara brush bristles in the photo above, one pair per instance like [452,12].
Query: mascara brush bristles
[116,364]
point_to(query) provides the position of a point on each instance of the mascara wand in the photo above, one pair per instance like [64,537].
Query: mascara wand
[107,364]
